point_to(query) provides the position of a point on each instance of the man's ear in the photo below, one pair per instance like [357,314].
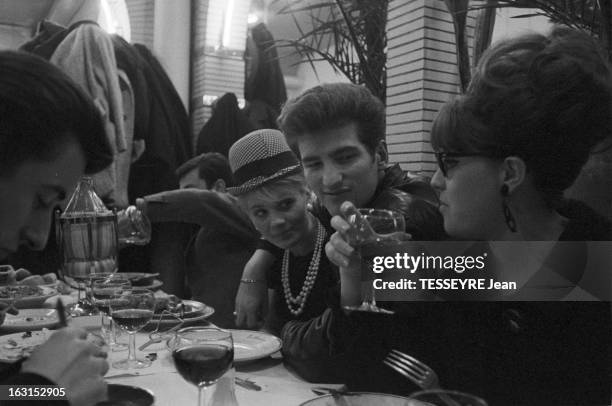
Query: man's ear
[381,154]
[514,171]
[219,186]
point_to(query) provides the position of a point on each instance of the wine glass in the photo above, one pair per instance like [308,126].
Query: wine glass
[202,355]
[133,227]
[131,311]
[444,397]
[105,289]
[375,232]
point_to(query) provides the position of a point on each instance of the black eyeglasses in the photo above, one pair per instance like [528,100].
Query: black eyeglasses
[442,158]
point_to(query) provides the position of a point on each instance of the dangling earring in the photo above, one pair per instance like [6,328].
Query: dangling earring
[510,222]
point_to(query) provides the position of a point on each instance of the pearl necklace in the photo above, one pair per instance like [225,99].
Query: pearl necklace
[296,304]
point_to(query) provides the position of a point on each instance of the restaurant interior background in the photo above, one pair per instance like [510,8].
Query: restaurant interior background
[210,47]
[201,44]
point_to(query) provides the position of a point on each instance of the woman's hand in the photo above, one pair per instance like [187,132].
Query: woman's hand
[252,296]
[73,363]
[251,304]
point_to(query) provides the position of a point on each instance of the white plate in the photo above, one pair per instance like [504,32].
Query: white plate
[200,311]
[363,399]
[30,320]
[36,301]
[156,284]
[250,345]
[15,346]
[192,309]
[140,279]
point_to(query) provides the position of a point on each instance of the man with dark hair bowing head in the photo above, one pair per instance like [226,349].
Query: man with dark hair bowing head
[51,134]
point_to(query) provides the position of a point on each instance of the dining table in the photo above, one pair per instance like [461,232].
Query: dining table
[268,381]
[274,383]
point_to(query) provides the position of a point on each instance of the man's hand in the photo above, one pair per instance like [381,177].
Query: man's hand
[73,363]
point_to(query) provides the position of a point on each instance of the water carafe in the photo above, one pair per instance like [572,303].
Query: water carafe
[87,235]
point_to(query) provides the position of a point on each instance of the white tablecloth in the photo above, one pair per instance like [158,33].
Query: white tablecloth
[280,386]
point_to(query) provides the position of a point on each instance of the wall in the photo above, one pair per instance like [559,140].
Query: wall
[142,21]
[421,76]
[216,71]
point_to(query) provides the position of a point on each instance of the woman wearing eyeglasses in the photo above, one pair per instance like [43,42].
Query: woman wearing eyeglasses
[507,150]
[511,146]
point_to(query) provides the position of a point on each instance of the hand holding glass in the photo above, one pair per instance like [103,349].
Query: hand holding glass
[374,232]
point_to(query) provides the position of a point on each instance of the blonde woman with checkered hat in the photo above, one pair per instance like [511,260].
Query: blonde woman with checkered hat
[271,189]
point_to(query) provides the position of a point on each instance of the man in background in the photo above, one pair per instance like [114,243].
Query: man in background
[223,239]
[209,171]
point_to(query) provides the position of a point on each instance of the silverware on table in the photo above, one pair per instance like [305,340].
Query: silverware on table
[413,369]
[127,375]
[418,372]
[247,384]
[160,337]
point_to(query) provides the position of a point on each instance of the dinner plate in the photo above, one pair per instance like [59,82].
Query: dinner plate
[192,317]
[250,345]
[192,309]
[155,284]
[34,301]
[140,279]
[15,346]
[125,395]
[30,320]
[363,399]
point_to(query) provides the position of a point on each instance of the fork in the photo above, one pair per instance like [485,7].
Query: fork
[160,338]
[413,369]
[418,372]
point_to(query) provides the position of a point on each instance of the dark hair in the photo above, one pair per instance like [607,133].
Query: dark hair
[211,166]
[41,109]
[331,106]
[545,99]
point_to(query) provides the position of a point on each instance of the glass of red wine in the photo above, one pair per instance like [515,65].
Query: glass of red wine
[131,311]
[202,355]
[106,288]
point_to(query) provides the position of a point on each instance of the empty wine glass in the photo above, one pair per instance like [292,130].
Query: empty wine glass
[202,355]
[375,232]
[131,311]
[105,289]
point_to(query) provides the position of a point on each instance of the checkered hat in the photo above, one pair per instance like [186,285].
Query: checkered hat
[260,157]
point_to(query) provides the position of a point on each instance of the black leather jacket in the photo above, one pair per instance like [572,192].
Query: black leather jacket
[408,194]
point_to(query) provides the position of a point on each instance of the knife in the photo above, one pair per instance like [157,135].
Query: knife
[127,375]
[247,384]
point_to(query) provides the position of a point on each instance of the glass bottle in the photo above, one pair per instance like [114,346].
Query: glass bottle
[87,237]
